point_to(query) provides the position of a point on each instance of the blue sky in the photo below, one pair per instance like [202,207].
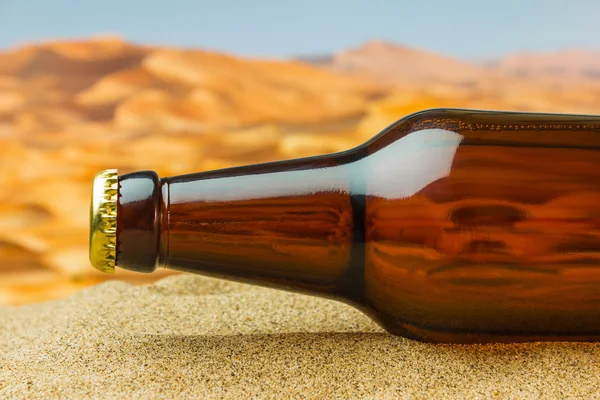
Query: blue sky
[466,29]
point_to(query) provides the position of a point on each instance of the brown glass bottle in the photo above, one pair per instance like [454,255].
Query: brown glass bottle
[449,226]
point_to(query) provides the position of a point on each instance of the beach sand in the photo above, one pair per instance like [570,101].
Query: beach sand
[194,337]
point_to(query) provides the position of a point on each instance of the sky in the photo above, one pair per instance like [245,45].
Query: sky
[467,29]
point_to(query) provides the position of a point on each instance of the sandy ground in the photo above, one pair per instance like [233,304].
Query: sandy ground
[191,337]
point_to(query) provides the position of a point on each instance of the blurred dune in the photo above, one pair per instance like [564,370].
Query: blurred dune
[69,109]
[393,64]
[566,65]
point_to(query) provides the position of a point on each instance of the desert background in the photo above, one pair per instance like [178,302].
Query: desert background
[77,101]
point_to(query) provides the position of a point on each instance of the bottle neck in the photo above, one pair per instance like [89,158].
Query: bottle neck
[292,229]
[293,225]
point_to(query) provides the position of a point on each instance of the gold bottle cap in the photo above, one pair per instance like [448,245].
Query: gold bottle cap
[103,221]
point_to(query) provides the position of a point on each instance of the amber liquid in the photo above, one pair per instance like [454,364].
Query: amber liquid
[449,226]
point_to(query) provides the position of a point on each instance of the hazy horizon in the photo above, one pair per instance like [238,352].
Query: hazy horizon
[469,30]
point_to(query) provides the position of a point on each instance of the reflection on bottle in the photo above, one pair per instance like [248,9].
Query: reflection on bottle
[407,165]
[396,171]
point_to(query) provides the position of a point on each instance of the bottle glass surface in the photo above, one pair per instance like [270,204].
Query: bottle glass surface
[449,226]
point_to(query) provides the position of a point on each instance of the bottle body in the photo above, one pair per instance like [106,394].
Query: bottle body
[449,226]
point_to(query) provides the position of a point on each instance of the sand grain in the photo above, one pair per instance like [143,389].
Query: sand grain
[192,337]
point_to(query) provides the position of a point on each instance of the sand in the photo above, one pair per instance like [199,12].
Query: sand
[194,337]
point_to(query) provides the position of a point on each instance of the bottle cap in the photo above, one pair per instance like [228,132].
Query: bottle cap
[103,221]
